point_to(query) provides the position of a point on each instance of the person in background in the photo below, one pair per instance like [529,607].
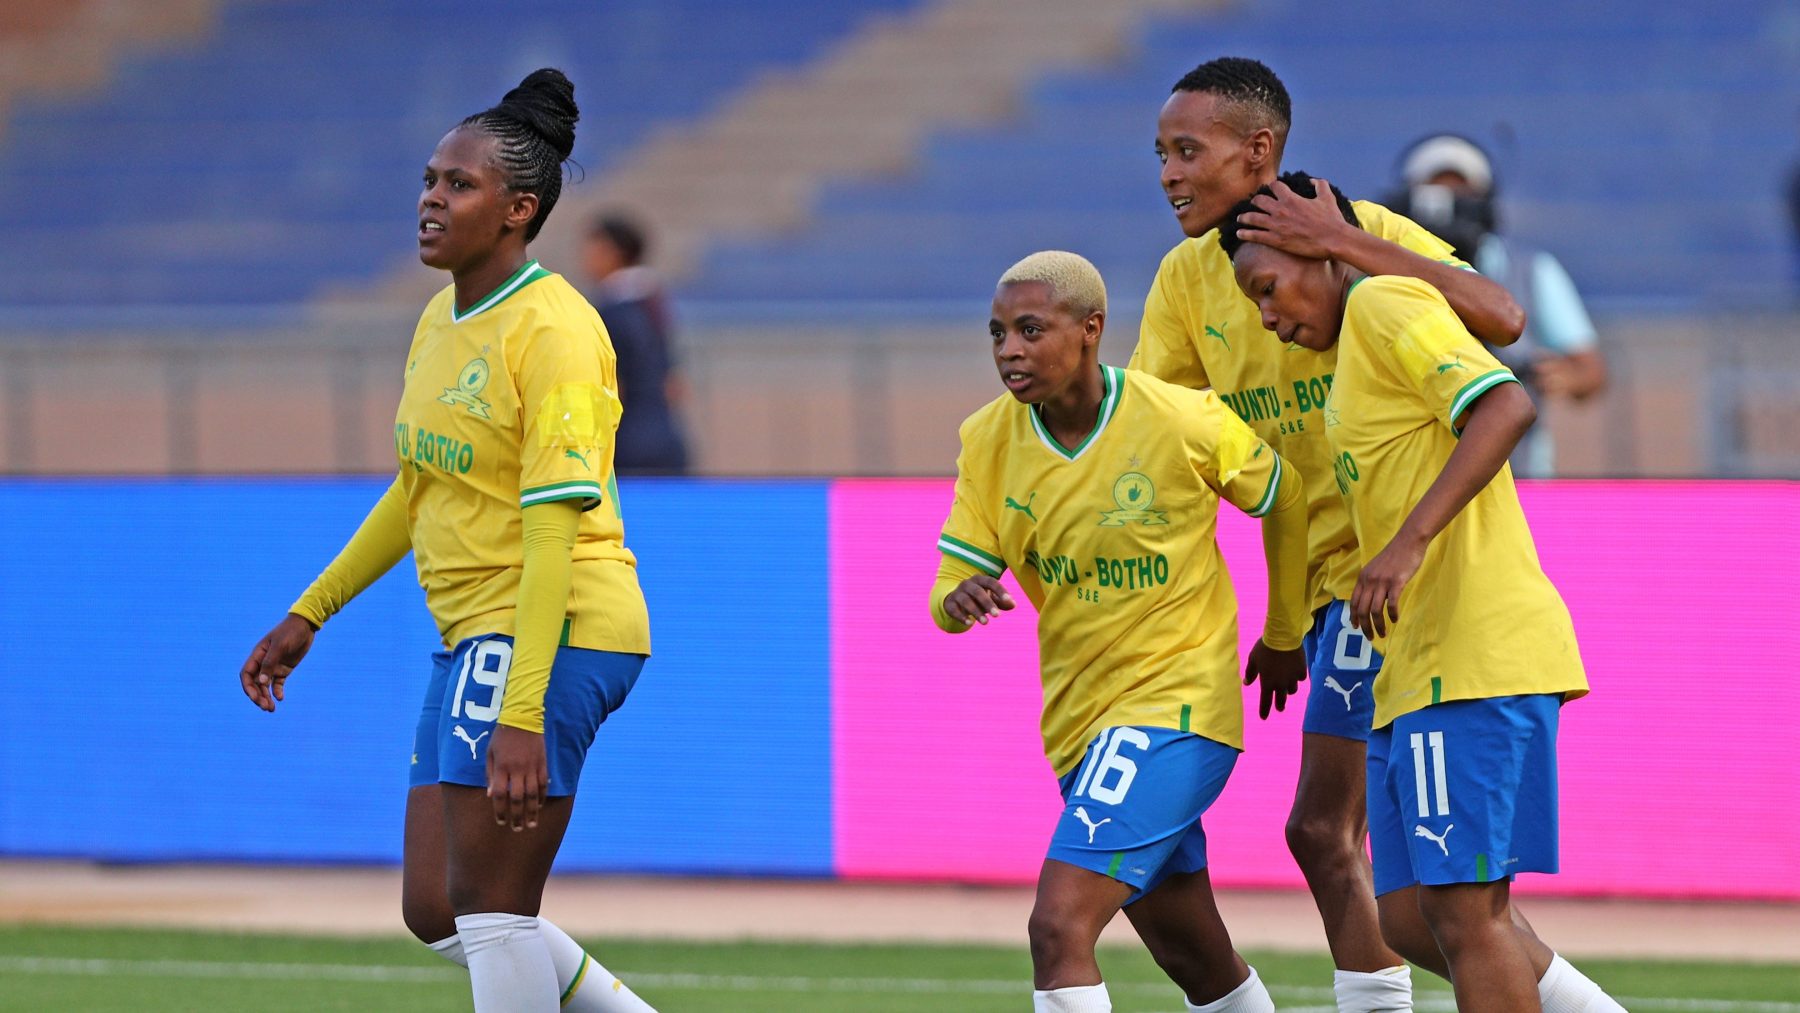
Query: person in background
[635,308]
[1450,190]
[1793,208]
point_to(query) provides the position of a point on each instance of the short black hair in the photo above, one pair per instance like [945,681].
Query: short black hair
[534,132]
[624,233]
[1299,182]
[1249,84]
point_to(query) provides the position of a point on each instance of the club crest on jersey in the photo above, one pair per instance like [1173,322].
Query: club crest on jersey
[469,383]
[1133,492]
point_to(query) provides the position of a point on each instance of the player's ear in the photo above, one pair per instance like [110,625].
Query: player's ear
[1259,147]
[522,210]
[1092,327]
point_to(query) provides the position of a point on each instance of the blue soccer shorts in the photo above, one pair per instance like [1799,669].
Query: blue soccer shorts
[462,704]
[1132,807]
[1342,665]
[1464,792]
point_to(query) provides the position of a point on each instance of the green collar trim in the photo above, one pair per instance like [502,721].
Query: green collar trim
[1114,379]
[524,276]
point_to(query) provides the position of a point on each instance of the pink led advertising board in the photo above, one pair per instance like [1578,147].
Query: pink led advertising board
[1677,771]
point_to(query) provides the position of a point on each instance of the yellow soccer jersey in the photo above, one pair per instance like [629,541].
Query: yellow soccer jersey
[1200,330]
[509,404]
[1113,543]
[1480,618]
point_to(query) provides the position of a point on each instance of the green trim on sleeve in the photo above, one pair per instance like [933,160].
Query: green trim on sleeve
[586,490]
[982,560]
[1267,502]
[1474,389]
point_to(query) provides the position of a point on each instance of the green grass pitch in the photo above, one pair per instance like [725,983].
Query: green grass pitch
[151,970]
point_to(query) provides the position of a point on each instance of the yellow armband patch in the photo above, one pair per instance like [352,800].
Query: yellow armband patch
[578,415]
[1237,446]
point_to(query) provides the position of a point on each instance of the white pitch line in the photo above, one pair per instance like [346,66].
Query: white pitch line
[1431,1002]
[104,967]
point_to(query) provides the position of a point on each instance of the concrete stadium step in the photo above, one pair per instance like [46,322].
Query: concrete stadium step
[861,110]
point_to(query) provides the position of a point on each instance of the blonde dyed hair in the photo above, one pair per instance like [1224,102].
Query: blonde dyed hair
[1075,281]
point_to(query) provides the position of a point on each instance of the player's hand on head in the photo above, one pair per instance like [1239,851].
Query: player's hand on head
[264,674]
[977,599]
[1375,604]
[1302,226]
[518,776]
[1280,672]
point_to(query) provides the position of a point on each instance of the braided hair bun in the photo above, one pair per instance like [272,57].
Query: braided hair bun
[545,103]
[534,132]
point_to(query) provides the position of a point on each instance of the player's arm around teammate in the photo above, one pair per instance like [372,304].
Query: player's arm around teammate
[1312,227]
[1099,488]
[504,434]
[1220,135]
[1480,650]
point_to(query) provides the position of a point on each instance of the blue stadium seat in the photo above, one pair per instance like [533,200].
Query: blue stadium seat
[1643,140]
[282,153]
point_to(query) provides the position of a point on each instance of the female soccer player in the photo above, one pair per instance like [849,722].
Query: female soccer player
[1480,649]
[1220,135]
[1100,488]
[505,498]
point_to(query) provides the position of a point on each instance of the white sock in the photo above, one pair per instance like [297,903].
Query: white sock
[1563,989]
[509,966]
[586,986]
[450,949]
[1074,999]
[1249,997]
[576,973]
[1388,990]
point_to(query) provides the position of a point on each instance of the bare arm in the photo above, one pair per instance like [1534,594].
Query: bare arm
[1495,423]
[1578,375]
[1313,227]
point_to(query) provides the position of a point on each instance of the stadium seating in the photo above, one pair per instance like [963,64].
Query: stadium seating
[1644,141]
[281,153]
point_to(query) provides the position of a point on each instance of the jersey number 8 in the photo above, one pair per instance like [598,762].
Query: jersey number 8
[1354,652]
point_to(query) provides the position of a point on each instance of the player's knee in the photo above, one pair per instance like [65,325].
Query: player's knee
[477,897]
[1055,938]
[1184,964]
[1316,840]
[1457,925]
[429,920]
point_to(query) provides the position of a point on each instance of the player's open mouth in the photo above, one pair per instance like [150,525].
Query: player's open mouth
[430,229]
[1015,380]
[1180,204]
